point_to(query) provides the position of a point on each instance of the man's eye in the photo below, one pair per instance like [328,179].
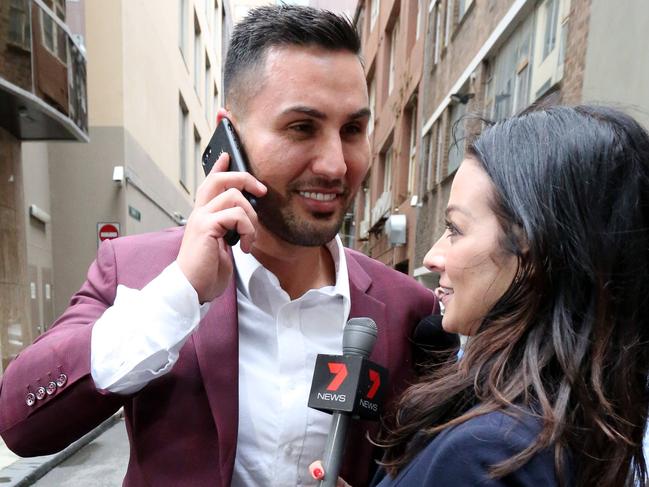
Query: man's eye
[353,129]
[302,128]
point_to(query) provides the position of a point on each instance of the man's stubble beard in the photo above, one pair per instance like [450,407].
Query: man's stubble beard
[276,214]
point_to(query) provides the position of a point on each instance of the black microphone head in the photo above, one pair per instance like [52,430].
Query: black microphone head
[431,341]
[359,336]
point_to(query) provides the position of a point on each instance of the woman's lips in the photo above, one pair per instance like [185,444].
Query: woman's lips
[444,294]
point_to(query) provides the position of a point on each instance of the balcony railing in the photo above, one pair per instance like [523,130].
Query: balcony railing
[43,93]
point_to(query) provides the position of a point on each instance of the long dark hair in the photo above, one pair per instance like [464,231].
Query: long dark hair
[569,340]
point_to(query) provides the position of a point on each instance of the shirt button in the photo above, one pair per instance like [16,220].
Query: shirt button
[30,399]
[61,380]
[51,388]
[40,393]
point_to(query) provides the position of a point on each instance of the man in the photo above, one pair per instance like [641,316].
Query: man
[213,367]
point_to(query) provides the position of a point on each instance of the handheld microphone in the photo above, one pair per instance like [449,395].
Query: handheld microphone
[356,389]
[431,344]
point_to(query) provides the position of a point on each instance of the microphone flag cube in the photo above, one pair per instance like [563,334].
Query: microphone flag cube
[348,384]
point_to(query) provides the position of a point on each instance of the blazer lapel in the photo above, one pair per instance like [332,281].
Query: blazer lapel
[362,304]
[217,350]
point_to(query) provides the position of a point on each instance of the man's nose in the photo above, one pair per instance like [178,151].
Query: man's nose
[435,259]
[330,161]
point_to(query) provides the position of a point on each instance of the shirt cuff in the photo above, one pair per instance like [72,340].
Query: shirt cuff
[139,337]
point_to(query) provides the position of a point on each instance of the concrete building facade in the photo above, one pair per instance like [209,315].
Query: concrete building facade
[393,37]
[153,93]
[42,97]
[503,56]
[143,117]
[490,59]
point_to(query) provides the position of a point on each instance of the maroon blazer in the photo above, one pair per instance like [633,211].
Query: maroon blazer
[182,426]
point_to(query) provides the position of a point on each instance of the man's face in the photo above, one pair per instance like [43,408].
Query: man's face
[305,133]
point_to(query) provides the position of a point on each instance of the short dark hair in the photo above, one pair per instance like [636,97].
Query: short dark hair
[282,25]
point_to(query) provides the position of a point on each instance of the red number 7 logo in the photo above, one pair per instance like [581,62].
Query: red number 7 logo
[340,373]
[375,379]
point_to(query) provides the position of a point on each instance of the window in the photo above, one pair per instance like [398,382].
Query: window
[197,55]
[197,157]
[387,169]
[207,85]
[182,29]
[488,91]
[54,38]
[522,86]
[435,26]
[462,8]
[412,161]
[370,124]
[367,204]
[419,17]
[374,12]
[550,37]
[449,22]
[215,105]
[507,89]
[360,22]
[19,25]
[394,35]
[439,153]
[456,136]
[59,9]
[182,131]
[216,27]
[424,172]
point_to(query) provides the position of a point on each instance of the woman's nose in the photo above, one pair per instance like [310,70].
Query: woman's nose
[435,259]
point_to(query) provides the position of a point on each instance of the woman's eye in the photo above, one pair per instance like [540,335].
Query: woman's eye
[451,229]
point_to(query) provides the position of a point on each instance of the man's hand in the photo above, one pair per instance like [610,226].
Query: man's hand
[219,207]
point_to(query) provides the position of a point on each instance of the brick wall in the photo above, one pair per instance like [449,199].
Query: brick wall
[575,60]
[15,60]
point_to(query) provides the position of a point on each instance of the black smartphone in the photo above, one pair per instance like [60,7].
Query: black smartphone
[225,139]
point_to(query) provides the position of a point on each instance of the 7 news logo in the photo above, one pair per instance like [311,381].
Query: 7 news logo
[340,373]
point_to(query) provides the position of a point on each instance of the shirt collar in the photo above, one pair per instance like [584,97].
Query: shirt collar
[247,267]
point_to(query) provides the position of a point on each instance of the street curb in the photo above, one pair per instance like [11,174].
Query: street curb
[26,471]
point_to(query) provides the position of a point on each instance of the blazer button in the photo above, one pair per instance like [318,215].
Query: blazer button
[30,399]
[51,388]
[61,380]
[40,393]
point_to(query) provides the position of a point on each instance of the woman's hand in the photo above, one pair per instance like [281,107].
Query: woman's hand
[317,472]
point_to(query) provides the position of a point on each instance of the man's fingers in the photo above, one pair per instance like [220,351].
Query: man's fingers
[230,219]
[230,199]
[218,182]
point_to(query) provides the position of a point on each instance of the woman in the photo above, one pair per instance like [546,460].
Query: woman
[545,265]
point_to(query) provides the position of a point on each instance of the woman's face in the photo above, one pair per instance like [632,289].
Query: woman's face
[475,270]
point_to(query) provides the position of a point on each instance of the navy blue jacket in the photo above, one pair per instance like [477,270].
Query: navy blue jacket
[462,456]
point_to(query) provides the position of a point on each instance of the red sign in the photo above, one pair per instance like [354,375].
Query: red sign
[107,231]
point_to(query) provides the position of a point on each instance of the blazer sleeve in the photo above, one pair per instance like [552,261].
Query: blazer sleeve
[47,396]
[464,455]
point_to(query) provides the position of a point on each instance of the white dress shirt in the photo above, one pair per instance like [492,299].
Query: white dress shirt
[139,337]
